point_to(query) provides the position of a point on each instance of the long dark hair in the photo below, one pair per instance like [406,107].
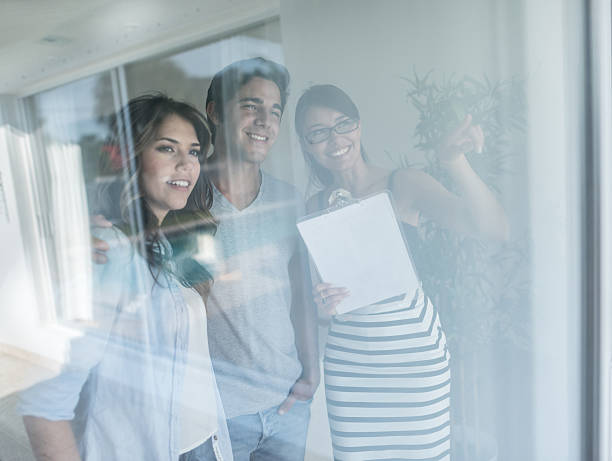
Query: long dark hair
[331,97]
[134,128]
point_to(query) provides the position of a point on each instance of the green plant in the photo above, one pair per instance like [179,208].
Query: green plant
[480,288]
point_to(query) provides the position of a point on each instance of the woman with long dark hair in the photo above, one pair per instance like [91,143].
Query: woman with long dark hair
[138,383]
[387,374]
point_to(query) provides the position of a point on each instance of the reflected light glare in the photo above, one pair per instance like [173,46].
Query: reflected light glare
[71,231]
[206,253]
[133,14]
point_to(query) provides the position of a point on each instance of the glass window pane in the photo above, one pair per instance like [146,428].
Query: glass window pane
[471,119]
[68,132]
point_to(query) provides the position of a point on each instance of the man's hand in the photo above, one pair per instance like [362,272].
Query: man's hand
[303,389]
[99,247]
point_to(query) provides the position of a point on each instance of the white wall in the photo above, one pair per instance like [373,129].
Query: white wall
[367,47]
[554,30]
[22,302]
[16,285]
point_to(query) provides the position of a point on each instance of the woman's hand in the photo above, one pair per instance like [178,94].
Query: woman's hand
[465,138]
[473,209]
[327,297]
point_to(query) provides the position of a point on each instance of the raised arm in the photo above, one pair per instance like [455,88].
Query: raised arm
[474,210]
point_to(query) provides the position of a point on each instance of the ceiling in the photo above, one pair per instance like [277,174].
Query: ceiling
[45,43]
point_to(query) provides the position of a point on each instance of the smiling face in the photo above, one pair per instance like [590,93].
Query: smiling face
[338,152]
[251,121]
[170,166]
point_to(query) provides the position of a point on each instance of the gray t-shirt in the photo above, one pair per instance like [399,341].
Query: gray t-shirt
[251,336]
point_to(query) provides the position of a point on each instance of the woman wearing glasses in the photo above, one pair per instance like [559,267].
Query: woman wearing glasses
[387,372]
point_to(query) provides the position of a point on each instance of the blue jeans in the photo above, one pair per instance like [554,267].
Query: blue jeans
[263,436]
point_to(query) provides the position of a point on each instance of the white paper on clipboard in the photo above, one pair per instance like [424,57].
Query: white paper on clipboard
[360,247]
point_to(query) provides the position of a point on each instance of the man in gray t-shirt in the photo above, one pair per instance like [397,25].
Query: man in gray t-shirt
[261,322]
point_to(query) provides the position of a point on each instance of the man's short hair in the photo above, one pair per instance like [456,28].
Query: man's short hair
[226,83]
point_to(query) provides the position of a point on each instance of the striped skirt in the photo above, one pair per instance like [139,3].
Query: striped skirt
[387,383]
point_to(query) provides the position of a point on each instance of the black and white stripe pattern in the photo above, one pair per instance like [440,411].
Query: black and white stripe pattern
[387,382]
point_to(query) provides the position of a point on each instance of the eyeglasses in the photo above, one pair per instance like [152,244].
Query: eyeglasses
[323,134]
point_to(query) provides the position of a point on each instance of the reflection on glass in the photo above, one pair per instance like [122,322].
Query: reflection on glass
[141,365]
[71,231]
[505,316]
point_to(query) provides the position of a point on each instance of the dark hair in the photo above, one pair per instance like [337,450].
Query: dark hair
[134,128]
[226,83]
[331,97]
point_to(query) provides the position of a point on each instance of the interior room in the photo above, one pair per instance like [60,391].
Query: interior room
[527,320]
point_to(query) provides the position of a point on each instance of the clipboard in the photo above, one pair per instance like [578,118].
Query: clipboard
[360,246]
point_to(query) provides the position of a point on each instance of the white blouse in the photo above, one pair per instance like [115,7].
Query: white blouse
[198,404]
